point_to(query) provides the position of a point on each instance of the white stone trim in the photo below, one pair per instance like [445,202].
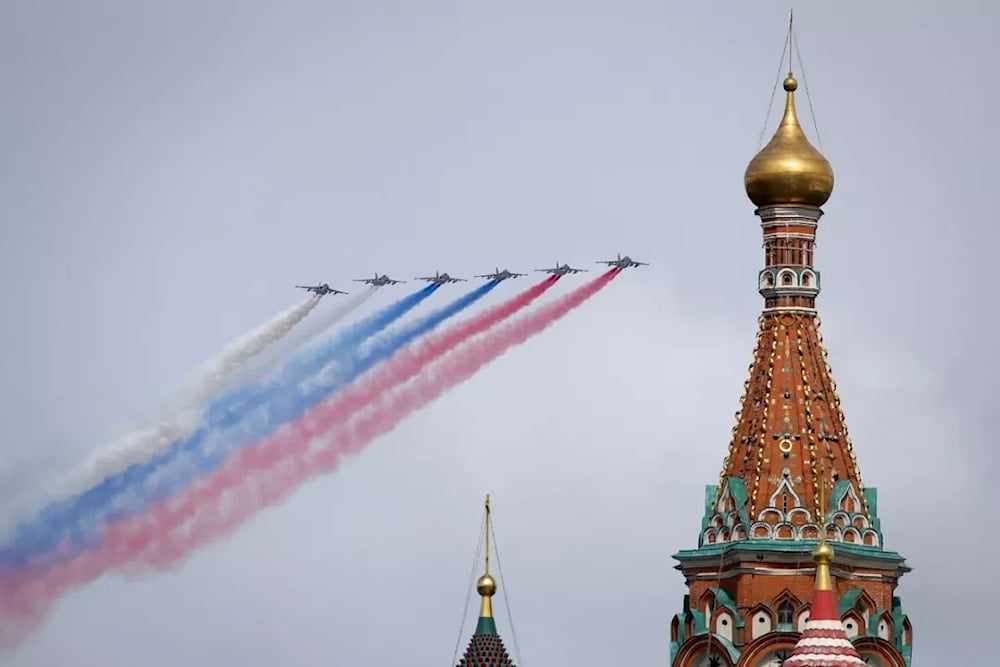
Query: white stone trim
[817,659]
[820,624]
[789,309]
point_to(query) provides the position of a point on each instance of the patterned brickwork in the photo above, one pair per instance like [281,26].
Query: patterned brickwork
[486,650]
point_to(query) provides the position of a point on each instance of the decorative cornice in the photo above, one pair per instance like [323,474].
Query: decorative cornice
[772,231]
[801,310]
[841,574]
[789,552]
[768,213]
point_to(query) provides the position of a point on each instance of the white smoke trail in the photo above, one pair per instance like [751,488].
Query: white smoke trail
[179,417]
[307,335]
[213,375]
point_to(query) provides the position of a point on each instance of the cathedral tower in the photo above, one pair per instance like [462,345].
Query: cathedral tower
[750,580]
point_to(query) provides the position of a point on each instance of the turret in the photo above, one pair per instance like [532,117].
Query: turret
[788,181]
[486,649]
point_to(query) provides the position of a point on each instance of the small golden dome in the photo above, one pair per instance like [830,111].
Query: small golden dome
[486,586]
[789,171]
[823,553]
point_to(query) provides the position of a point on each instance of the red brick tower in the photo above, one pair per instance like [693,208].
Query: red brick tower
[751,578]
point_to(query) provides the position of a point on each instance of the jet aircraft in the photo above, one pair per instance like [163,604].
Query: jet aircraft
[561,270]
[379,280]
[622,262]
[320,290]
[499,275]
[440,278]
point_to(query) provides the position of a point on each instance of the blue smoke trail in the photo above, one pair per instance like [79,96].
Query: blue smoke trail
[152,483]
[229,409]
[286,407]
[62,519]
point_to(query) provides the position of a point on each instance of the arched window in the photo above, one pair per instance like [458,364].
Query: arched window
[761,624]
[724,627]
[786,612]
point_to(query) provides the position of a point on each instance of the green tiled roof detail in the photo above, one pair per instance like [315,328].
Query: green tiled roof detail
[723,599]
[698,626]
[833,501]
[711,490]
[738,489]
[727,517]
[486,626]
[734,653]
[871,497]
[847,600]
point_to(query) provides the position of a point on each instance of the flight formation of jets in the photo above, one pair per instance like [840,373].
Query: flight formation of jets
[322,289]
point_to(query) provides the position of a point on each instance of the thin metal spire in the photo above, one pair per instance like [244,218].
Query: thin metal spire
[487,504]
[791,20]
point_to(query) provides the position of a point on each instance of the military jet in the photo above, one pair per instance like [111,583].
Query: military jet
[440,278]
[499,275]
[561,270]
[320,290]
[379,280]
[622,262]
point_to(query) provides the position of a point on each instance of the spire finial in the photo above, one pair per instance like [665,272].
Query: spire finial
[486,505]
[791,42]
[790,84]
[823,553]
[486,586]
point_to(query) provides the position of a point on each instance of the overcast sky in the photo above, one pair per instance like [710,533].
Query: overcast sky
[171,169]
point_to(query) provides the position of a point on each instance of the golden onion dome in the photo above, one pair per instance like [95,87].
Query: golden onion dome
[486,586]
[789,171]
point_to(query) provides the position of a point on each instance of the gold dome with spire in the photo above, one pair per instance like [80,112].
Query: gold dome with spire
[789,171]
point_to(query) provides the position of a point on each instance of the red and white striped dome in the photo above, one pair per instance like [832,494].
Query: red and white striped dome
[824,641]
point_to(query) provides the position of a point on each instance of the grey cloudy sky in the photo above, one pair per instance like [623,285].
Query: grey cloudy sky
[171,169]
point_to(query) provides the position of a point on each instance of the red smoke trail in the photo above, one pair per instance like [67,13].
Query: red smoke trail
[315,444]
[217,505]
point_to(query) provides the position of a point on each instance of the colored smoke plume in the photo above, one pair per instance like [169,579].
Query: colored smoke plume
[238,417]
[266,473]
[180,417]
